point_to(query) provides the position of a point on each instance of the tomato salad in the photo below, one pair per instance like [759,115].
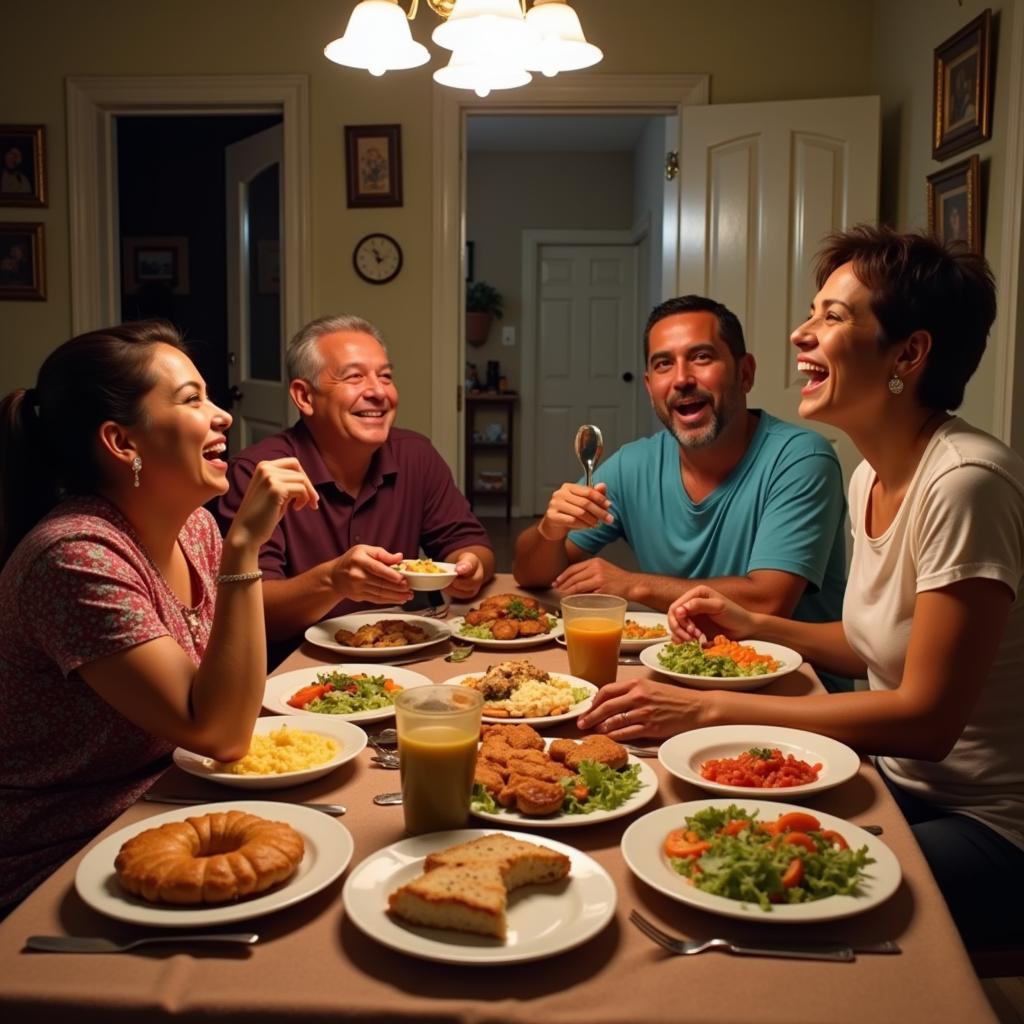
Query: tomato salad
[760,768]
[335,693]
[728,852]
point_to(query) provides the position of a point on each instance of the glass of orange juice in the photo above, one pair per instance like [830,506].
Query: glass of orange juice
[438,733]
[593,632]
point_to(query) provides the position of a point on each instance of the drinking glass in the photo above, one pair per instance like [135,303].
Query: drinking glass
[438,733]
[593,632]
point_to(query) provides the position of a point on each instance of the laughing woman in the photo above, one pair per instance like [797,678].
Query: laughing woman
[934,609]
[126,626]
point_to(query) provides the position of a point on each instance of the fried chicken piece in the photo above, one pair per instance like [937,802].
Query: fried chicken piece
[545,769]
[479,616]
[538,798]
[601,749]
[497,750]
[346,637]
[488,775]
[368,635]
[391,640]
[413,633]
[499,602]
[561,749]
[519,736]
[534,627]
[505,629]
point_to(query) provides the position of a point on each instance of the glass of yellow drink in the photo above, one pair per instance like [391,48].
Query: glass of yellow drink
[593,632]
[438,733]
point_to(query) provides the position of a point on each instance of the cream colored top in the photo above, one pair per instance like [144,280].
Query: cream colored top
[962,518]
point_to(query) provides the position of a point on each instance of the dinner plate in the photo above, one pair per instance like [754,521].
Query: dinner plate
[574,712]
[328,850]
[647,619]
[684,753]
[643,796]
[542,919]
[789,658]
[350,739]
[557,630]
[642,851]
[322,633]
[429,580]
[280,688]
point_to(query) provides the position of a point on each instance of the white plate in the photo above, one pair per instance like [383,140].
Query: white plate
[542,919]
[322,633]
[280,688]
[350,739]
[647,619]
[328,850]
[574,712]
[685,752]
[642,851]
[789,658]
[642,797]
[520,641]
[429,580]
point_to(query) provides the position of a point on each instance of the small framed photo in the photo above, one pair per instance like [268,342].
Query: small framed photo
[158,261]
[22,261]
[963,88]
[373,164]
[954,203]
[22,165]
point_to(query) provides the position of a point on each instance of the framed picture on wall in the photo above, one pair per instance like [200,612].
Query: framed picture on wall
[22,261]
[158,261]
[954,203]
[373,164]
[963,88]
[22,165]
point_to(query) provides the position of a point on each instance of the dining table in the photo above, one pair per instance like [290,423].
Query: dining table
[312,963]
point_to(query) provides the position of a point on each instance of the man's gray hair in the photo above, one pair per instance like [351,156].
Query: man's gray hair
[302,357]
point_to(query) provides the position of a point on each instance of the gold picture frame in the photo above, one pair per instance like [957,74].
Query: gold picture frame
[954,203]
[22,165]
[22,261]
[963,88]
[373,164]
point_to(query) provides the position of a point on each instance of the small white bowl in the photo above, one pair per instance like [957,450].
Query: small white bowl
[428,580]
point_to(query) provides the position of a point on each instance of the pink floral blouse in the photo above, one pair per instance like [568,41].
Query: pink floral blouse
[80,587]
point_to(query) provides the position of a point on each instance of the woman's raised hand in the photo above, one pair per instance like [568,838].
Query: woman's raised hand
[274,486]
[703,610]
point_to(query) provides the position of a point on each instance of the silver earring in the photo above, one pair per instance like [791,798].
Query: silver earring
[136,469]
[895,385]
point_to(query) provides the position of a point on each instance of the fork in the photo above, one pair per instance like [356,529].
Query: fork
[90,944]
[810,951]
[641,751]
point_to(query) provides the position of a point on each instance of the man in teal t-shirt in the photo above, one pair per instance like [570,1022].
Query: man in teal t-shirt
[727,495]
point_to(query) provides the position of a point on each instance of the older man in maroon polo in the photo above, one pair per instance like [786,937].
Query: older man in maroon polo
[384,492]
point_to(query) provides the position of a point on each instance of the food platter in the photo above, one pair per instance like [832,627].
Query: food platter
[329,849]
[350,739]
[557,630]
[642,851]
[646,619]
[684,753]
[542,920]
[643,796]
[574,712]
[789,658]
[279,688]
[322,634]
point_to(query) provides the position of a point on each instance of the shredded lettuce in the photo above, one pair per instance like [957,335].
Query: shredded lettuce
[689,659]
[352,694]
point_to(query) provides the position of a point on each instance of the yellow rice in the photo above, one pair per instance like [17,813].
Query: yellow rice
[284,750]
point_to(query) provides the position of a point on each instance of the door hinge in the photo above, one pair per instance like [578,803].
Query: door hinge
[671,165]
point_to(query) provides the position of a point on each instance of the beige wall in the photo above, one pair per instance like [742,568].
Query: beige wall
[752,50]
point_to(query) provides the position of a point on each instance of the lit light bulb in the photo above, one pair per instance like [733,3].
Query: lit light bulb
[376,70]
[482,91]
[550,69]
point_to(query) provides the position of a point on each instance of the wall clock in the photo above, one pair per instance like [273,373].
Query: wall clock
[377,258]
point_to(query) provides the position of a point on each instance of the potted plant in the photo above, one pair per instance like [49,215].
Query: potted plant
[483,304]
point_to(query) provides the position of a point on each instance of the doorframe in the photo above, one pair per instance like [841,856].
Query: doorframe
[593,94]
[533,239]
[93,103]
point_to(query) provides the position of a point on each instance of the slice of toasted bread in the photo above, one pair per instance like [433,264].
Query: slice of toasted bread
[519,862]
[465,898]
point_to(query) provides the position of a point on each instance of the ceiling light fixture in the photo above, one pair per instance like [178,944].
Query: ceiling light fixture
[495,44]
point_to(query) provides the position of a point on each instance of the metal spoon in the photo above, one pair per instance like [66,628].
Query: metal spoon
[589,446]
[387,799]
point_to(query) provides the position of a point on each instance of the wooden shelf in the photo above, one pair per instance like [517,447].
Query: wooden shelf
[504,404]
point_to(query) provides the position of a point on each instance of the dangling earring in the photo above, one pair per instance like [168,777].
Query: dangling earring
[137,468]
[895,385]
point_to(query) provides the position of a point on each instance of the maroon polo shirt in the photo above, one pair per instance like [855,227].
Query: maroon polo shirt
[408,501]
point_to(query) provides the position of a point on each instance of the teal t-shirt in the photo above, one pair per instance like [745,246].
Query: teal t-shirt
[782,507]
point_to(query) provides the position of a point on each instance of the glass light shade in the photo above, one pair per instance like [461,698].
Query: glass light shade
[481,74]
[482,25]
[377,39]
[557,41]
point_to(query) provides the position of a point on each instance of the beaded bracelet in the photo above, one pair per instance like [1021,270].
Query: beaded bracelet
[240,577]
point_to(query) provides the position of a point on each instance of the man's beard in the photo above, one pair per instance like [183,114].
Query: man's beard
[697,437]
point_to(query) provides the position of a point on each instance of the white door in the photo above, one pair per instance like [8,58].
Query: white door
[762,185]
[588,358]
[256,335]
